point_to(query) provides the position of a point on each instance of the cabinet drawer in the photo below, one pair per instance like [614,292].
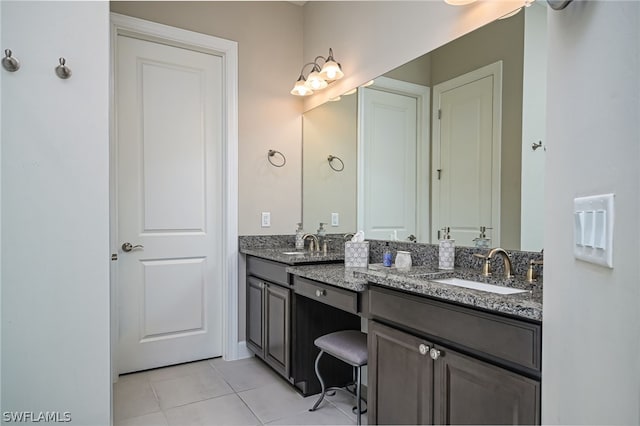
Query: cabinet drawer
[509,341]
[342,299]
[267,270]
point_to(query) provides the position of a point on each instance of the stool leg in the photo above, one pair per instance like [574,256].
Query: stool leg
[359,401]
[322,392]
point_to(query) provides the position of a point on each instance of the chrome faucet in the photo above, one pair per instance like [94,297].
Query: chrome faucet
[314,245]
[486,269]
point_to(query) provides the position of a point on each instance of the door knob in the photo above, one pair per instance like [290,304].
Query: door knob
[127,247]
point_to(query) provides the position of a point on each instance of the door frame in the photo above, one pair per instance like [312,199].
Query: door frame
[494,70]
[423,159]
[228,51]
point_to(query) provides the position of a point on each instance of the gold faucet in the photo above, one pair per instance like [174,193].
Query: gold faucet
[486,269]
[314,239]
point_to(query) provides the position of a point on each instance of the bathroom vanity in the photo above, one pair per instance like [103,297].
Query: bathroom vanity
[438,354]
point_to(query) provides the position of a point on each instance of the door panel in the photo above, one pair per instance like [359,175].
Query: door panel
[169,150]
[389,159]
[469,391]
[400,378]
[277,338]
[467,155]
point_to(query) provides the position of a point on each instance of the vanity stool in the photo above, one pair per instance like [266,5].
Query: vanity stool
[349,346]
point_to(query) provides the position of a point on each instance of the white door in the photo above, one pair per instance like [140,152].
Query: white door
[388,156]
[466,169]
[169,153]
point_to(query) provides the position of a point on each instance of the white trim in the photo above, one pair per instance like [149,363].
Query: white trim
[495,70]
[243,350]
[423,161]
[228,51]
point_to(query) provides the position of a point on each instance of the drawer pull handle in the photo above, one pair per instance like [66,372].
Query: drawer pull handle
[320,293]
[435,354]
[423,349]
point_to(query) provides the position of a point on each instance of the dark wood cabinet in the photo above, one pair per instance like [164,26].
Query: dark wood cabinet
[400,377]
[470,391]
[268,316]
[417,377]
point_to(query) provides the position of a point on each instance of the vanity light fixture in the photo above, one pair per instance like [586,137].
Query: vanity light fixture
[318,78]
[459,2]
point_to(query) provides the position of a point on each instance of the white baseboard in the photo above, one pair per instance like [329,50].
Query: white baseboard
[240,351]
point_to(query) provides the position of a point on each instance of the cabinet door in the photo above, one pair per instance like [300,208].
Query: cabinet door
[255,315]
[400,377]
[469,391]
[277,327]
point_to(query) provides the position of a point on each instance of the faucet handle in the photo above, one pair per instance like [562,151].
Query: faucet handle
[486,267]
[531,273]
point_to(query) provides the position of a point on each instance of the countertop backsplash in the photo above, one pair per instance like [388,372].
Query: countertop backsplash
[421,253]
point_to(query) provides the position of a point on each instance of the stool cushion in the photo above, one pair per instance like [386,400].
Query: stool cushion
[349,346]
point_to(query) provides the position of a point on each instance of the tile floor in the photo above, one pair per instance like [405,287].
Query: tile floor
[217,392]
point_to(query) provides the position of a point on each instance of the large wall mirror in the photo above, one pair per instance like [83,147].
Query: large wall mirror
[454,138]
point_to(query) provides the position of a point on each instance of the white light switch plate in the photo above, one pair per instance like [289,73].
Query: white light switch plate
[593,229]
[335,219]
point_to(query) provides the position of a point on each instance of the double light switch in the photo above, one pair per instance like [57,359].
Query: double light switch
[593,229]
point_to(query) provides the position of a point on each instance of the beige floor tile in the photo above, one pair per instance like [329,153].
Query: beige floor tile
[275,401]
[154,419]
[327,415]
[245,374]
[224,410]
[345,402]
[133,398]
[201,384]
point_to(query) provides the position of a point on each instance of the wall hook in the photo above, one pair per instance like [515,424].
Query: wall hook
[272,153]
[535,146]
[63,71]
[330,159]
[10,63]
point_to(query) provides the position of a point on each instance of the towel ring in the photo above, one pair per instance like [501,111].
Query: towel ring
[272,153]
[63,71]
[330,159]
[10,63]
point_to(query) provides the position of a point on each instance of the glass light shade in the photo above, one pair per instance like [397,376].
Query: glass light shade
[299,89]
[459,2]
[331,71]
[315,82]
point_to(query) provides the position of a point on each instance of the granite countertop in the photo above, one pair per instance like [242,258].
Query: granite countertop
[335,274]
[419,280]
[283,255]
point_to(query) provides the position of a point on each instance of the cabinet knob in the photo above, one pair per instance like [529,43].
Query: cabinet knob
[320,293]
[423,349]
[434,354]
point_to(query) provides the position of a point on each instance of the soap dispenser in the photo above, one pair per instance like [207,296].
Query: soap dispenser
[482,241]
[321,234]
[447,251]
[299,235]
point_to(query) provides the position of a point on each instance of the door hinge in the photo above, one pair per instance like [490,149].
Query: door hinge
[439,114]
[439,173]
[114,256]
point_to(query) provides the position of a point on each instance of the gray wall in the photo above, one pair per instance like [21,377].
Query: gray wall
[591,362]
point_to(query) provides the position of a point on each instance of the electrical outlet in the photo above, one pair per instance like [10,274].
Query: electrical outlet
[266,219]
[335,219]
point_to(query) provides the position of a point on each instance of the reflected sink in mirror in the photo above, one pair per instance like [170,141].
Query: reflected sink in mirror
[480,286]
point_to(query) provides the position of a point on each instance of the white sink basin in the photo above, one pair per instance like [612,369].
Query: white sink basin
[293,252]
[480,286]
